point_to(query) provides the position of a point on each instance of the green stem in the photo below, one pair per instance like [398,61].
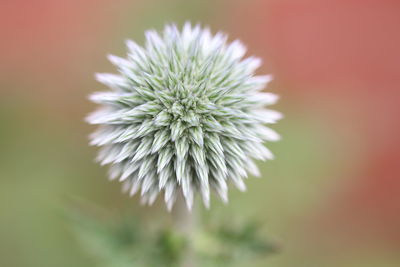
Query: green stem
[185,223]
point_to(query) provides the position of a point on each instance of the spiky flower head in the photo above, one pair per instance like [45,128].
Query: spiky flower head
[185,113]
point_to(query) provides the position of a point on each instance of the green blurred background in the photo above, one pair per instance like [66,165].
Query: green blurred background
[331,197]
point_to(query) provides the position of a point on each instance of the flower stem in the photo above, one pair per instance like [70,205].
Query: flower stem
[184,222]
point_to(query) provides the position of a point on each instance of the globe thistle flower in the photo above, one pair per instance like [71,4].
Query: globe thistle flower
[185,113]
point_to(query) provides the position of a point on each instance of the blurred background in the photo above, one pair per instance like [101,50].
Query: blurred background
[331,197]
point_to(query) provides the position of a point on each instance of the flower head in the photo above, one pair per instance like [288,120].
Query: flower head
[185,113]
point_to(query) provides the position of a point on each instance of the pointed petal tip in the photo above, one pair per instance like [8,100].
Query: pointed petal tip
[242,188]
[206,203]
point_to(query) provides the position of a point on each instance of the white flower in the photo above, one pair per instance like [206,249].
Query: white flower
[185,112]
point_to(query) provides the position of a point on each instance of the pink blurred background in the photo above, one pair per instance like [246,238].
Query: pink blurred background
[332,196]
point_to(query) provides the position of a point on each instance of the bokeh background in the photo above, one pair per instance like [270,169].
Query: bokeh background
[331,197]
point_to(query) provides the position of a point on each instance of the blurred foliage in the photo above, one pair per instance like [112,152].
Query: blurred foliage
[127,242]
[229,245]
